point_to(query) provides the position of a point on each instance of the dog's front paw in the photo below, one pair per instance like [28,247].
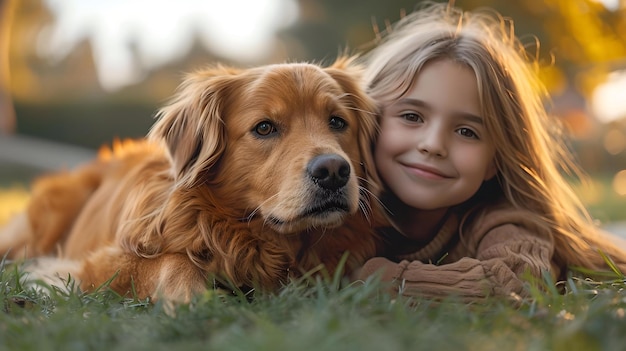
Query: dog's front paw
[51,272]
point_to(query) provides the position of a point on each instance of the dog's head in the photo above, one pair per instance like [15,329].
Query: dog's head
[289,144]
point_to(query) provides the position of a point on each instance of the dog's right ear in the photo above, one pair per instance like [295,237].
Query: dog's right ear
[191,125]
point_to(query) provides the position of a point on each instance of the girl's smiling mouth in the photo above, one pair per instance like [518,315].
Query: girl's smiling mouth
[424,171]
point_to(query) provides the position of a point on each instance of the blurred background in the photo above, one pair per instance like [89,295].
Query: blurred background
[74,74]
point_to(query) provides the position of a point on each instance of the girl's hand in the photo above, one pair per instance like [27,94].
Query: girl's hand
[386,269]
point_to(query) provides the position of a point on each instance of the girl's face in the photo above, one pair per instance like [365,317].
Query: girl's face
[433,151]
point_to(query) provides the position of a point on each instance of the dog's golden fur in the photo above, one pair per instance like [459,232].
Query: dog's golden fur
[221,186]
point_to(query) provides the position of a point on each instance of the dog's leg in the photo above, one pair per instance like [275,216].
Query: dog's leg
[52,271]
[170,277]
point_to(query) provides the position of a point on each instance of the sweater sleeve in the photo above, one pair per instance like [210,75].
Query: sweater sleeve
[503,258]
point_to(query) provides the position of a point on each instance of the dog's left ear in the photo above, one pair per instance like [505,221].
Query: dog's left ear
[349,76]
[191,125]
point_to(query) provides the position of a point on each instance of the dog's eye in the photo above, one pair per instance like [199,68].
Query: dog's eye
[337,123]
[265,128]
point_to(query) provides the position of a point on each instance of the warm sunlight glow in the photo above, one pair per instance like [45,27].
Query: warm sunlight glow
[130,37]
[610,5]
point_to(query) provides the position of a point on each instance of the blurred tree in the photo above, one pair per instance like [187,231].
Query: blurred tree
[28,71]
[7,113]
[580,41]
[585,38]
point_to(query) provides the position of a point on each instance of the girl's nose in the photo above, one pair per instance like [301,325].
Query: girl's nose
[432,142]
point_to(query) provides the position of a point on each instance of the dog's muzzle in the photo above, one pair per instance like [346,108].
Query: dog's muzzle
[329,198]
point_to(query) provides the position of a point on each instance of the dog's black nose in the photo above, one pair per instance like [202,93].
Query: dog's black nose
[330,171]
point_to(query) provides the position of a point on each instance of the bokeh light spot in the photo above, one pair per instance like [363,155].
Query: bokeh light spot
[619,183]
[614,141]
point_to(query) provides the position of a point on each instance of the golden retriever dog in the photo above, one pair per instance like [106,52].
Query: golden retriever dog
[249,176]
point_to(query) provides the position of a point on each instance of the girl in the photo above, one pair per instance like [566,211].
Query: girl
[471,162]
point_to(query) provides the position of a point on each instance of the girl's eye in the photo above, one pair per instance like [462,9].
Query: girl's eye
[265,129]
[468,133]
[412,117]
[337,123]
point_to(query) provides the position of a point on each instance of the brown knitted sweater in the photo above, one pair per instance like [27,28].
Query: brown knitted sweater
[491,257]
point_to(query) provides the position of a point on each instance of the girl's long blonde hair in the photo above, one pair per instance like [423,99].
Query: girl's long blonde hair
[531,156]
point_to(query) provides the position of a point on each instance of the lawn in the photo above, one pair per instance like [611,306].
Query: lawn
[313,315]
[322,314]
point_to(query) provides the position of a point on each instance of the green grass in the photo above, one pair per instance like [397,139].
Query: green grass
[316,315]
[310,315]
